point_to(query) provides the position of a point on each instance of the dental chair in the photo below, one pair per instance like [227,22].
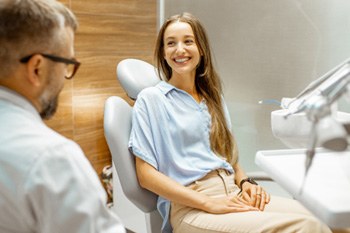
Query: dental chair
[137,207]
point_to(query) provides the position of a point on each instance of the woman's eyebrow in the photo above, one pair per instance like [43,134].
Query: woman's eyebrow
[173,37]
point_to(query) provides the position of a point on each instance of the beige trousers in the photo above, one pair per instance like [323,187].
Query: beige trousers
[280,215]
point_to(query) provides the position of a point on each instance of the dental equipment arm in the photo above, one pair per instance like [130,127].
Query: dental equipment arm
[316,101]
[324,82]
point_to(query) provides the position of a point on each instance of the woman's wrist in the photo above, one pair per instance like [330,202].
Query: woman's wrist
[249,180]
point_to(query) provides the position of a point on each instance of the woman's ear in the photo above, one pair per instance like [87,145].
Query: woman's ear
[35,69]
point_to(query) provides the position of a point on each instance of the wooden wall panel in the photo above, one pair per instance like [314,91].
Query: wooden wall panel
[109,31]
[65,2]
[116,7]
[115,33]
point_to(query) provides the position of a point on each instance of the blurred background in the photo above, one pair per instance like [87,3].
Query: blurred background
[268,50]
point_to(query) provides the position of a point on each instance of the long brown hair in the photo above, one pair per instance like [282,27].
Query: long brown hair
[207,83]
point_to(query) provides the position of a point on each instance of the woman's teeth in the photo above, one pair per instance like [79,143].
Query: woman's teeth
[182,60]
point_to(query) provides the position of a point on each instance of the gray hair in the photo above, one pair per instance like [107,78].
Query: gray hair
[30,26]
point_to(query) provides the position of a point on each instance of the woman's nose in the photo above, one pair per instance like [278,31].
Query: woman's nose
[180,48]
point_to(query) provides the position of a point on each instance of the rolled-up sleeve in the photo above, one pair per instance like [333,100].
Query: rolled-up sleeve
[141,142]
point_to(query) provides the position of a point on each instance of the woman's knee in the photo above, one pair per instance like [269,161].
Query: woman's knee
[312,224]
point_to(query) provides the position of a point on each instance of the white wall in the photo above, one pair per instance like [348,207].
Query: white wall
[268,49]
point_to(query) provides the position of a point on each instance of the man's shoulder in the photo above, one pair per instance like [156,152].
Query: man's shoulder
[24,132]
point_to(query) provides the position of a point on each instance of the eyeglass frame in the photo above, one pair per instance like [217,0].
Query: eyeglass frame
[55,59]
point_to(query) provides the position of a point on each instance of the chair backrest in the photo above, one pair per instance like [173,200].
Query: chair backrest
[134,75]
[117,126]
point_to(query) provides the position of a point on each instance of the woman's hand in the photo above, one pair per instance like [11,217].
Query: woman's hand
[229,204]
[255,195]
[168,188]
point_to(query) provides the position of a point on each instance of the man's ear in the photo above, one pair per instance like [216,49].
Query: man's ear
[35,67]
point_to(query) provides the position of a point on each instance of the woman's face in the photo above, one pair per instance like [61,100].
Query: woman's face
[180,49]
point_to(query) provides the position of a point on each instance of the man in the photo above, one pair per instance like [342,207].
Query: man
[46,182]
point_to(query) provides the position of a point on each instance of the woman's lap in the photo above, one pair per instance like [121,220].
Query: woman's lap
[271,220]
[280,215]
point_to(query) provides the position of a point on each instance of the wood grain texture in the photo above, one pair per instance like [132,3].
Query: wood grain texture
[66,2]
[115,33]
[116,7]
[109,31]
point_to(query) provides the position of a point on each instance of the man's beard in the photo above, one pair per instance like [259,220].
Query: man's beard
[49,108]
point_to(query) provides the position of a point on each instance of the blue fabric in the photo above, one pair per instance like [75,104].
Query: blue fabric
[170,131]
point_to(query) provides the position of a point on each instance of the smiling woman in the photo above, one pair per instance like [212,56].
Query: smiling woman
[185,151]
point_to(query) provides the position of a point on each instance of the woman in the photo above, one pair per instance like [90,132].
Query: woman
[186,154]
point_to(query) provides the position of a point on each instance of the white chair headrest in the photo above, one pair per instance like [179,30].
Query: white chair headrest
[135,75]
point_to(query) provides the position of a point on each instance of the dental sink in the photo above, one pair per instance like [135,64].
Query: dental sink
[295,130]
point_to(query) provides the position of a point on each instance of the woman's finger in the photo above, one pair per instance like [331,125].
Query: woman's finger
[262,201]
[243,207]
[267,200]
[258,199]
[246,197]
[237,201]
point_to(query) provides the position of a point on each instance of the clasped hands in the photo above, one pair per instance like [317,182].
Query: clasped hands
[255,195]
[252,198]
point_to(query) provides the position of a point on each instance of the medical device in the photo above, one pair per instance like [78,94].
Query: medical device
[316,101]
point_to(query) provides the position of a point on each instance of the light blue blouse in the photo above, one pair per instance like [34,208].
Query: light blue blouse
[170,131]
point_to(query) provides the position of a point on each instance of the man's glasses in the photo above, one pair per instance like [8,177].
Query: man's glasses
[72,64]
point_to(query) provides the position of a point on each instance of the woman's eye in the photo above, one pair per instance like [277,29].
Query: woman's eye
[171,43]
[189,42]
